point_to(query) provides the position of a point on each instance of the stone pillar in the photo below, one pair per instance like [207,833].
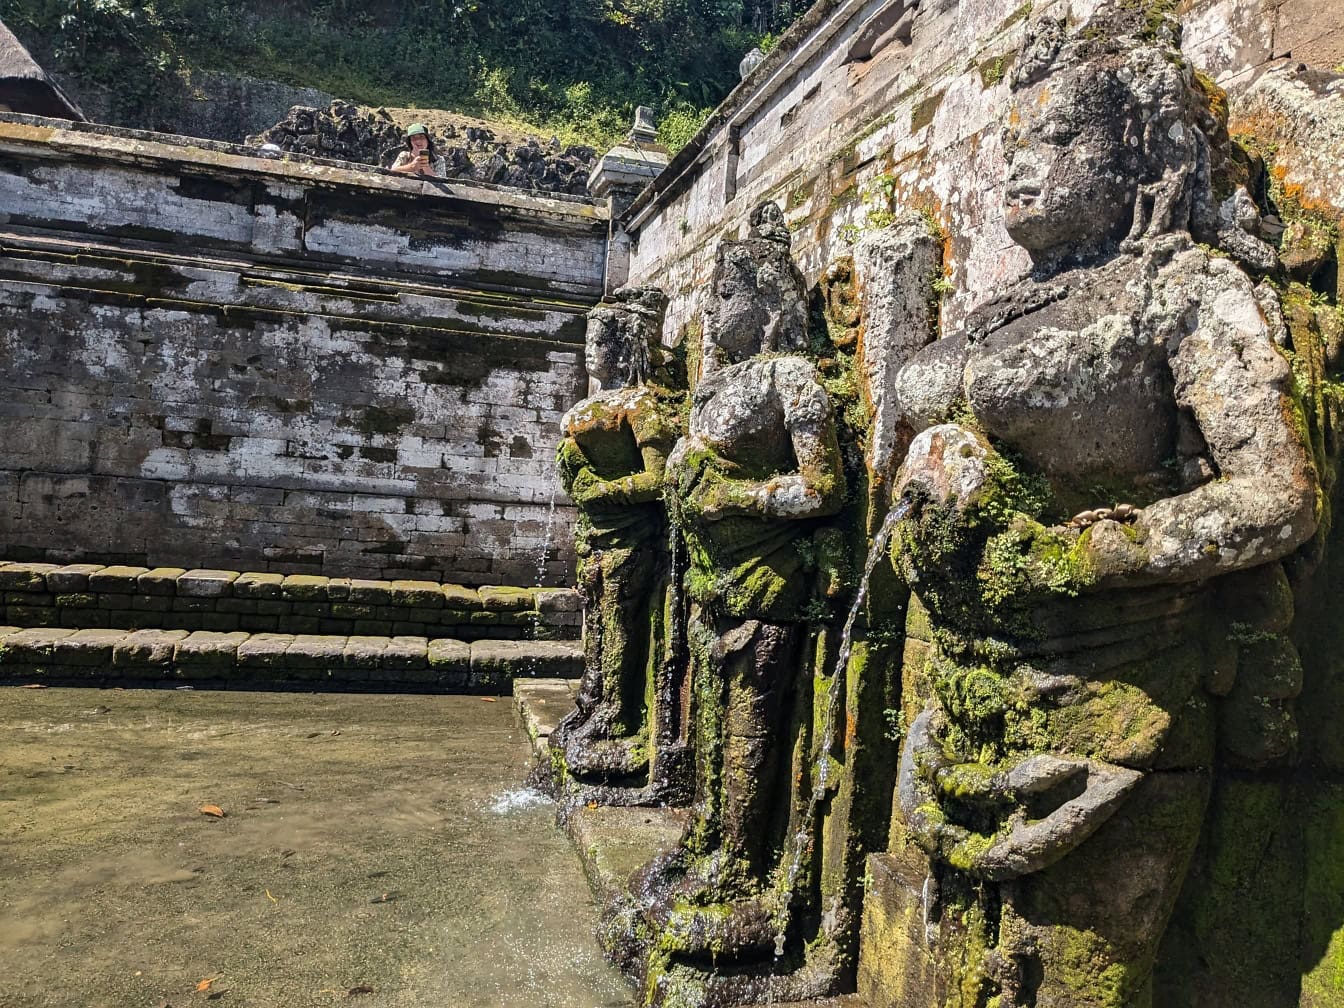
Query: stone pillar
[619,177]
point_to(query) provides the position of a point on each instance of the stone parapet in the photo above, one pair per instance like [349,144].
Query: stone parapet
[93,596]
[216,660]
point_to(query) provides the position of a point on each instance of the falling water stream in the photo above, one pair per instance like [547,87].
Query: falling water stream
[541,570]
[806,829]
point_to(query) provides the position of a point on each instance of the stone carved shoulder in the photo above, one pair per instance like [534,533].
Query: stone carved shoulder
[930,387]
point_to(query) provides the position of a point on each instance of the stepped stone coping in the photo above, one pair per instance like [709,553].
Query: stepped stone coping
[90,596]
[239,660]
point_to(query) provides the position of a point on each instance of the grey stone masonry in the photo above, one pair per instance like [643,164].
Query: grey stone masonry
[846,123]
[90,596]
[217,360]
[214,660]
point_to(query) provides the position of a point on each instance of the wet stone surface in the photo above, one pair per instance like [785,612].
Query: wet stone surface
[369,842]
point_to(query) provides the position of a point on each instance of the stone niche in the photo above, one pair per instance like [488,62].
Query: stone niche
[995,620]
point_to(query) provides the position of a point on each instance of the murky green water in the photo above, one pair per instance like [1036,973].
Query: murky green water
[370,843]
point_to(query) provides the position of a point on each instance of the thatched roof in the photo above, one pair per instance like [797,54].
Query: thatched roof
[25,86]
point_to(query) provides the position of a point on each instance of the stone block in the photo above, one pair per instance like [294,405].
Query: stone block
[264,650]
[258,586]
[449,656]
[406,652]
[29,598]
[209,648]
[421,594]
[77,600]
[305,588]
[206,583]
[31,647]
[338,589]
[25,576]
[274,607]
[91,648]
[160,580]
[236,606]
[504,599]
[348,610]
[460,598]
[152,603]
[313,651]
[558,600]
[304,624]
[370,592]
[190,604]
[504,660]
[71,578]
[374,627]
[312,608]
[147,647]
[117,580]
[402,628]
[364,652]
[32,616]
[219,622]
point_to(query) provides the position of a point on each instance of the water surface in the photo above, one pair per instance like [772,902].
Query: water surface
[379,845]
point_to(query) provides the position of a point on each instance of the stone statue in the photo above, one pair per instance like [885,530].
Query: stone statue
[613,747]
[747,485]
[1097,451]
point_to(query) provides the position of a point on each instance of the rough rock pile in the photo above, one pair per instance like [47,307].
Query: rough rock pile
[343,132]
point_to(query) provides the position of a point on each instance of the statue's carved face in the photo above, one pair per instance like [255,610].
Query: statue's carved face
[1072,179]
[603,347]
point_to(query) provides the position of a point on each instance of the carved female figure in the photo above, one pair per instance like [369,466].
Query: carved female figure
[611,464]
[1063,720]
[757,468]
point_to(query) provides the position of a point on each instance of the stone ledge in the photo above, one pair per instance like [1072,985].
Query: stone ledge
[99,657]
[92,596]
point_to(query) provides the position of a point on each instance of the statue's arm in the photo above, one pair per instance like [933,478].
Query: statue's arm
[1262,504]
[586,487]
[816,487]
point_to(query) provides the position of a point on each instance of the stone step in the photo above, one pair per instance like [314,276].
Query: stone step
[95,596]
[238,660]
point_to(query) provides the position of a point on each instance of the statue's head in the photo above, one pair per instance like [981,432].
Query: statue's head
[1107,136]
[758,303]
[620,337]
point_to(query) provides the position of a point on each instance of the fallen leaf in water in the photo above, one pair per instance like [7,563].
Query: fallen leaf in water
[489,699]
[387,897]
[211,810]
[270,897]
[34,685]
[206,984]
[361,989]
[592,805]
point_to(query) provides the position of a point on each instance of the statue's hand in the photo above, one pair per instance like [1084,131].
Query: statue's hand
[570,462]
[716,496]
[1115,550]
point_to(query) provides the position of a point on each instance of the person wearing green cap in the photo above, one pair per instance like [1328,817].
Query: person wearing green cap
[419,157]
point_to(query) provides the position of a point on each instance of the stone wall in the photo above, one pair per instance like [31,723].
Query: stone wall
[840,140]
[92,596]
[216,360]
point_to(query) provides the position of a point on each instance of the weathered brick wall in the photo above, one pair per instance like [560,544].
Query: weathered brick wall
[213,360]
[833,137]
